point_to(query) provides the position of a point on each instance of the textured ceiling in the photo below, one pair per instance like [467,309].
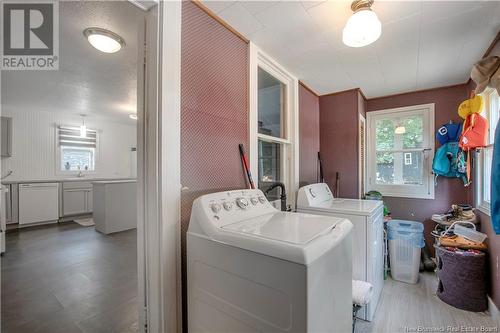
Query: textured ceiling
[424,44]
[88,81]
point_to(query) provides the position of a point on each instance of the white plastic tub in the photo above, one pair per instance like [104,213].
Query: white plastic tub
[406,238]
[405,261]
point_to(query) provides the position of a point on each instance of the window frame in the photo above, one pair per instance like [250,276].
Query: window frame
[288,141]
[58,156]
[483,205]
[424,191]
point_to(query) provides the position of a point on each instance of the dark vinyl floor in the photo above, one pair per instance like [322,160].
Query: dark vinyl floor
[65,278]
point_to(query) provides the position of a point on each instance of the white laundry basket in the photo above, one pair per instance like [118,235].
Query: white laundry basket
[406,238]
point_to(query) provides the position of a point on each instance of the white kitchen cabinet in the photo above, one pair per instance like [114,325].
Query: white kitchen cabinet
[77,198]
[74,201]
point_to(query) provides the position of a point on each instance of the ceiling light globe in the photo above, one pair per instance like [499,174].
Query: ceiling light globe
[104,40]
[361,29]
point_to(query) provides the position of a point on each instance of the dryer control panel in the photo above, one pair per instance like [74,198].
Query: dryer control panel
[314,194]
[228,207]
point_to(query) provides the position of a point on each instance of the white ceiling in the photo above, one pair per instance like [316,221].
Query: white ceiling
[424,44]
[88,81]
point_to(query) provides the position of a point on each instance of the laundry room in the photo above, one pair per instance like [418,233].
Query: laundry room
[337,131]
[254,166]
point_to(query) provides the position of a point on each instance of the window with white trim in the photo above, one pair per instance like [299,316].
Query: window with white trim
[491,111]
[76,149]
[400,148]
[273,124]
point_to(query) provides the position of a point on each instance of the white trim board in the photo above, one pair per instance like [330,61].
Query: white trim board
[258,58]
[427,189]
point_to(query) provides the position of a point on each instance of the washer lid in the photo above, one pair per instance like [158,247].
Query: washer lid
[298,229]
[346,206]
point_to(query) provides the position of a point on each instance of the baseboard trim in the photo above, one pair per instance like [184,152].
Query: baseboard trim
[494,312]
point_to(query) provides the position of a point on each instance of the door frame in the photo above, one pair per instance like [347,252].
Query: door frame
[159,245]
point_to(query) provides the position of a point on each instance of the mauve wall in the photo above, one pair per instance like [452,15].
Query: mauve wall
[338,117]
[448,191]
[214,111]
[308,136]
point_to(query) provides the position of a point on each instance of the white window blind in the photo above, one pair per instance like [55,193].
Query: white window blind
[71,137]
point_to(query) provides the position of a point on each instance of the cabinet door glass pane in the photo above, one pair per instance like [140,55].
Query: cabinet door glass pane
[271,105]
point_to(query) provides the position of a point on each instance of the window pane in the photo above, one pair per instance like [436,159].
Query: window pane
[73,159]
[399,168]
[413,136]
[269,165]
[493,114]
[271,105]
[385,134]
[410,133]
[488,158]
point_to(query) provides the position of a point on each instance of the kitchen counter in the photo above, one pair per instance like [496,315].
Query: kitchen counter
[63,180]
[115,205]
[119,181]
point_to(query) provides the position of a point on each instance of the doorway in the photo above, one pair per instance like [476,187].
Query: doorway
[92,280]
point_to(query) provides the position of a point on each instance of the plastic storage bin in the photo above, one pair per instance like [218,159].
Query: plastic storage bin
[406,238]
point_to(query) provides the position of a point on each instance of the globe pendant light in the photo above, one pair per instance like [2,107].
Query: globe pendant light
[104,40]
[363,27]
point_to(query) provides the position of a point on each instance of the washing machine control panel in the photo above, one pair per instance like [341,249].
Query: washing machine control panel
[233,206]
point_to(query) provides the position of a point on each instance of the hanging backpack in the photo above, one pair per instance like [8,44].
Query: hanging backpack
[449,161]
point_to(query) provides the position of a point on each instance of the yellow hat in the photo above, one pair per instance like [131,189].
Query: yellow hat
[469,106]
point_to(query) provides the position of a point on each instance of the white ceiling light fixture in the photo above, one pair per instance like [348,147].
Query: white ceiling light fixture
[133,116]
[104,40]
[363,27]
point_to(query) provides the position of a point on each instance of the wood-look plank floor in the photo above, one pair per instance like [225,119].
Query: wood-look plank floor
[65,278]
[409,307]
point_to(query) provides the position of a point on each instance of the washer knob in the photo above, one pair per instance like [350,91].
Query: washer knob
[216,208]
[228,205]
[262,199]
[254,201]
[242,203]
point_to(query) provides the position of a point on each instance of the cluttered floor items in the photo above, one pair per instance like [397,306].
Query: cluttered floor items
[461,259]
[460,256]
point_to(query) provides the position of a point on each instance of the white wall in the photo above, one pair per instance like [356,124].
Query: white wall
[34,145]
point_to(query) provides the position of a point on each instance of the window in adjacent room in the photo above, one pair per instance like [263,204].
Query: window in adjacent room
[76,151]
[491,112]
[272,125]
[400,151]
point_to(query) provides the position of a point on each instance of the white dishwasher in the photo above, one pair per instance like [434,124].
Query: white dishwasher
[38,202]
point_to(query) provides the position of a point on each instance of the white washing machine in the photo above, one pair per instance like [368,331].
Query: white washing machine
[252,268]
[367,216]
